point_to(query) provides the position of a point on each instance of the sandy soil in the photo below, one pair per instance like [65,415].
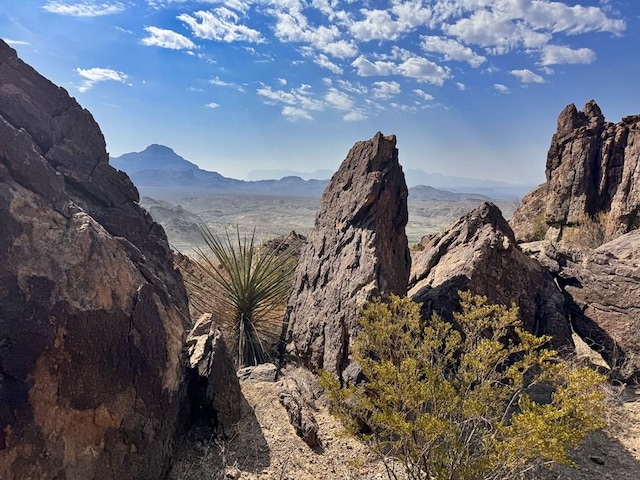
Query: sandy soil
[265,446]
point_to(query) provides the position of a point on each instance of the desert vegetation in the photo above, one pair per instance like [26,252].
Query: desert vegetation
[479,398]
[245,285]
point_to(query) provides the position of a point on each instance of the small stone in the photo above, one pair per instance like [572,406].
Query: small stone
[597,459]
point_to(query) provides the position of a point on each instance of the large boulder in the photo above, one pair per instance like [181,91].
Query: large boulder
[215,396]
[92,312]
[357,249]
[592,192]
[479,253]
[603,288]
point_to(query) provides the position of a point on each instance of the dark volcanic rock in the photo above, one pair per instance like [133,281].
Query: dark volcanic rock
[593,173]
[356,250]
[479,253]
[218,396]
[92,313]
[604,291]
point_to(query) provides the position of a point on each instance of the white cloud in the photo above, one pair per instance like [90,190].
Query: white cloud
[500,88]
[366,68]
[423,95]
[385,90]
[212,105]
[83,9]
[461,86]
[557,54]
[15,43]
[160,37]
[419,68]
[338,99]
[496,32]
[294,114]
[95,75]
[354,116]
[547,70]
[376,25]
[282,81]
[322,60]
[221,83]
[220,25]
[424,70]
[297,102]
[452,50]
[527,76]
[293,26]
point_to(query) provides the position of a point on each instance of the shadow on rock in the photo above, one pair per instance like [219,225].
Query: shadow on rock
[244,449]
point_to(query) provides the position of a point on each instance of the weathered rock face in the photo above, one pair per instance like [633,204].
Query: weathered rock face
[604,291]
[356,250]
[215,395]
[479,253]
[593,171]
[92,313]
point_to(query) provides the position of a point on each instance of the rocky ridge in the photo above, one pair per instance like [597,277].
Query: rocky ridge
[593,178]
[357,249]
[92,312]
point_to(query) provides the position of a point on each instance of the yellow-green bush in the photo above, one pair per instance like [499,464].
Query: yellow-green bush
[458,403]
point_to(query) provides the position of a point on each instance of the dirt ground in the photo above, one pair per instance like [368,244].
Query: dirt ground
[265,446]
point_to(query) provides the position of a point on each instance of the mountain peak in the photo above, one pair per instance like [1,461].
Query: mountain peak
[158,149]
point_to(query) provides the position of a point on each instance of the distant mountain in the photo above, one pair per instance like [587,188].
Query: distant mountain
[266,174]
[421,192]
[158,166]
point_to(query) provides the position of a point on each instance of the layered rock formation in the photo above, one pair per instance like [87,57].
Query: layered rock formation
[357,249]
[479,253]
[92,313]
[593,181]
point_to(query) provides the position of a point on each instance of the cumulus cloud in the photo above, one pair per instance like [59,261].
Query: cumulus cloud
[376,25]
[385,90]
[212,105]
[221,25]
[419,68]
[355,116]
[498,87]
[160,37]
[557,54]
[527,76]
[451,50]
[293,26]
[92,76]
[461,86]
[294,114]
[83,9]
[338,99]
[423,95]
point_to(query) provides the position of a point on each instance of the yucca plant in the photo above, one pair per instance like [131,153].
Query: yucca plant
[245,286]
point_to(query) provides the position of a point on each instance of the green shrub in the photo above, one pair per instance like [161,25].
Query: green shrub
[463,403]
[540,226]
[246,288]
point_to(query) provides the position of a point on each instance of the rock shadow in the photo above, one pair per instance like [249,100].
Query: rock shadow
[204,453]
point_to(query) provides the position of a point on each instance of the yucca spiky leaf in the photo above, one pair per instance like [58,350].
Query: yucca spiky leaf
[246,286]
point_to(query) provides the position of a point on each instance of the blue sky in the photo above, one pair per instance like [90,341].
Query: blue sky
[470,87]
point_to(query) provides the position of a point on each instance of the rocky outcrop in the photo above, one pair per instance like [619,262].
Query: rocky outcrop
[300,413]
[603,292]
[215,390]
[593,181]
[479,253]
[92,313]
[357,249]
